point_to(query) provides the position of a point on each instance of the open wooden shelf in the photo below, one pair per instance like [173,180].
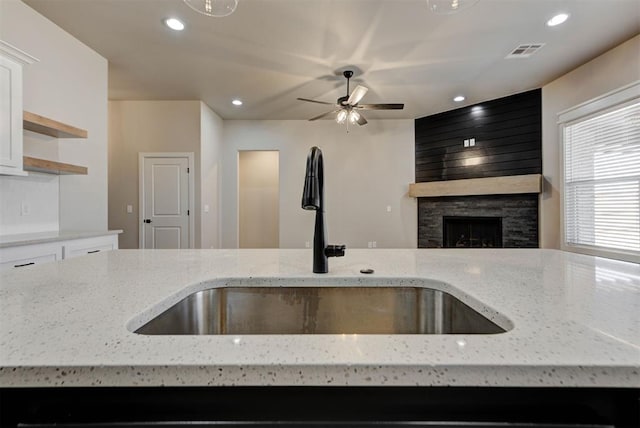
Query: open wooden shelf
[52,167]
[43,125]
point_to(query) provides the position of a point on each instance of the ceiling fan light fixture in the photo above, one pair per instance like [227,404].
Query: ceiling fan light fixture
[215,8]
[347,105]
[341,116]
[447,7]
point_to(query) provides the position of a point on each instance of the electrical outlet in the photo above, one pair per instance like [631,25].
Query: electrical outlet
[206,208]
[129,209]
[466,143]
[388,208]
[472,142]
[369,244]
[374,244]
[307,244]
[25,209]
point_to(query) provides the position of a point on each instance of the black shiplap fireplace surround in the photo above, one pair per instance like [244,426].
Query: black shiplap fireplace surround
[508,142]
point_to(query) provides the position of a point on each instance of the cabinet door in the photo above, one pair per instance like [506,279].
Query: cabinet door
[27,255]
[81,247]
[10,117]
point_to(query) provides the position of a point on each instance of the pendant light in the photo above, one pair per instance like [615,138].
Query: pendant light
[215,8]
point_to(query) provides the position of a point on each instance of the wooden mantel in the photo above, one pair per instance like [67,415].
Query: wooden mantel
[507,185]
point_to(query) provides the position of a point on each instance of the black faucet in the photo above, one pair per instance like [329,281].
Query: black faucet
[313,199]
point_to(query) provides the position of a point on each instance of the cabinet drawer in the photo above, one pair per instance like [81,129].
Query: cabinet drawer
[27,255]
[81,247]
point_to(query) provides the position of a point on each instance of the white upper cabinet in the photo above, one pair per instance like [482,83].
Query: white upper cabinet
[11,61]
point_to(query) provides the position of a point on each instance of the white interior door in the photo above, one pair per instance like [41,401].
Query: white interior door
[165,202]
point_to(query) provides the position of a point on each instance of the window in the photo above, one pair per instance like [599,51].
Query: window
[602,176]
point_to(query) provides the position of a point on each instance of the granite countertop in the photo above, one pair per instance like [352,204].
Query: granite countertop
[53,236]
[576,321]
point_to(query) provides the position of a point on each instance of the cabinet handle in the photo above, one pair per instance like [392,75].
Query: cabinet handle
[94,251]
[147,220]
[25,264]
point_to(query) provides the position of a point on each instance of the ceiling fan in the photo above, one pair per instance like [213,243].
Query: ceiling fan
[348,106]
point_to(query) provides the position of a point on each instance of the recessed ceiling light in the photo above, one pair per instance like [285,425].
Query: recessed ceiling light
[558,19]
[174,24]
[459,99]
[236,102]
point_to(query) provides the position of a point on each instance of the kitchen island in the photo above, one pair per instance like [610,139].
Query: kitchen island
[572,321]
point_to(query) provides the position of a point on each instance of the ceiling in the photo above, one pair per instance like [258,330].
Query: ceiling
[269,52]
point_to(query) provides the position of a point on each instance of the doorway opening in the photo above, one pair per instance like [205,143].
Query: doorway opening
[258,199]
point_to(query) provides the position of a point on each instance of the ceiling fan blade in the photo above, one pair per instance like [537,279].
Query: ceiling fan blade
[362,120]
[314,101]
[357,95]
[380,106]
[323,115]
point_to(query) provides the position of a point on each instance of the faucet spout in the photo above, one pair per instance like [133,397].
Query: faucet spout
[313,192]
[313,199]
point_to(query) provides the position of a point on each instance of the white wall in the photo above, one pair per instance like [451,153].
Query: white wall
[366,170]
[147,126]
[68,84]
[210,171]
[615,68]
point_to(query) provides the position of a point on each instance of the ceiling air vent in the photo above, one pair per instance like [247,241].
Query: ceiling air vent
[525,51]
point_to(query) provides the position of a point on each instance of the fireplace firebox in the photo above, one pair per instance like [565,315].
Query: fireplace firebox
[472,232]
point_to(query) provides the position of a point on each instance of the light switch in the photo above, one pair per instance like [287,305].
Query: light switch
[206,208]
[129,209]
[25,209]
[388,208]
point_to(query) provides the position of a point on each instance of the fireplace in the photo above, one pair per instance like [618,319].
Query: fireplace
[471,232]
[487,165]
[517,214]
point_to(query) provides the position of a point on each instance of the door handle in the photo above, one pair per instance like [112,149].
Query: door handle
[147,220]
[25,264]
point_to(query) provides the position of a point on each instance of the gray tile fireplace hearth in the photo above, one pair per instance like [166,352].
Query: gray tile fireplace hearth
[519,214]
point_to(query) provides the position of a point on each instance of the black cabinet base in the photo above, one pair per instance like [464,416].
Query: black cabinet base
[320,406]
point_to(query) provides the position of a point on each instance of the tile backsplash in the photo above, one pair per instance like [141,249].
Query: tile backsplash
[29,204]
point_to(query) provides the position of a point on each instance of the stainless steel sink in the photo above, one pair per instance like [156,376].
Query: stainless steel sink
[320,310]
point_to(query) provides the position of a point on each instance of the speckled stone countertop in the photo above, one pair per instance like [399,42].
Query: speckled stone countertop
[53,236]
[575,319]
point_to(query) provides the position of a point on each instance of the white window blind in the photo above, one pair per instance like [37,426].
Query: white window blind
[602,180]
